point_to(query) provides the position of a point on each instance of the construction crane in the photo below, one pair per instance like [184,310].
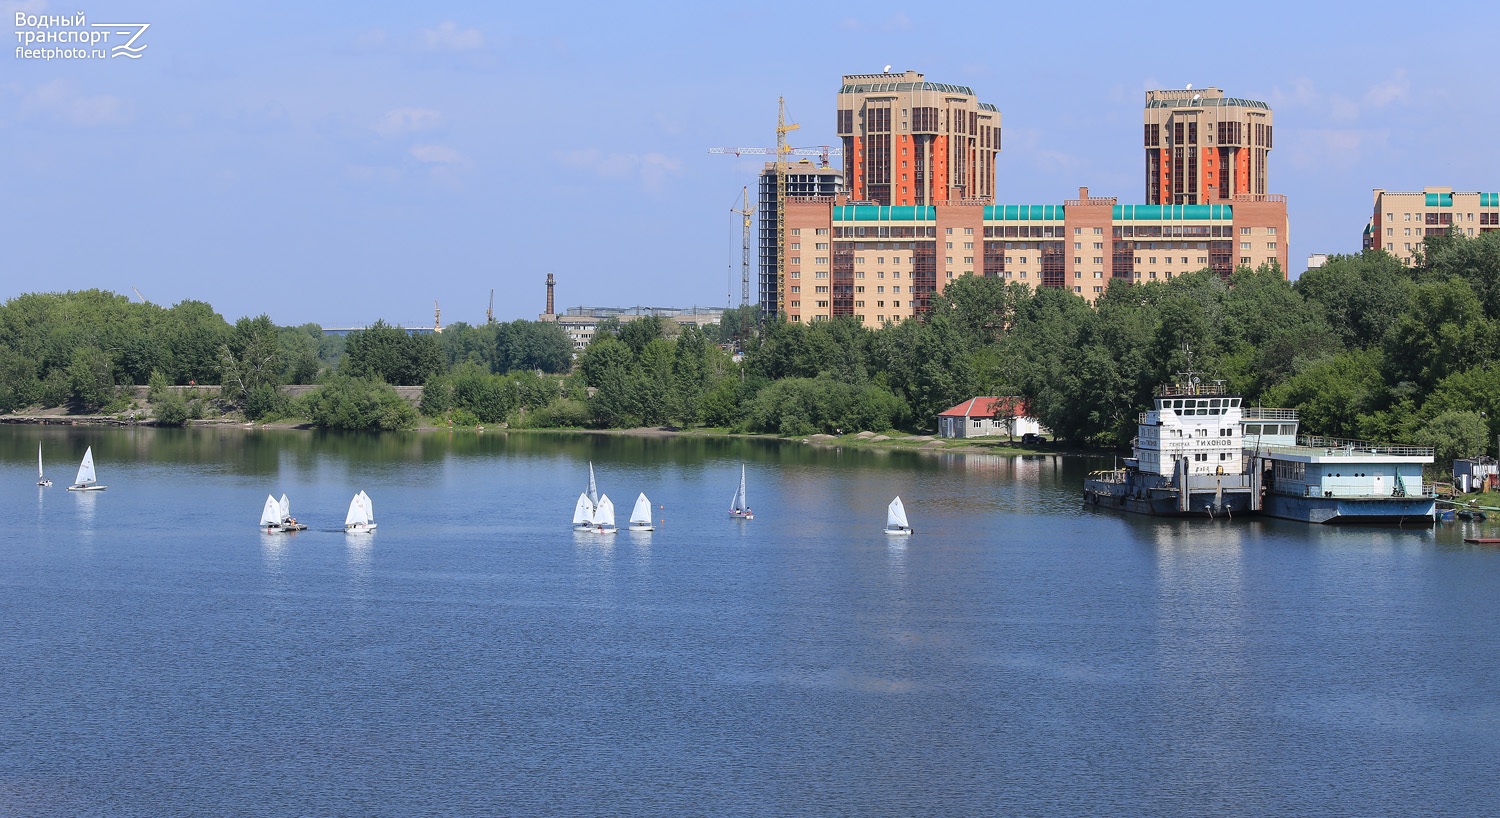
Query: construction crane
[437,317]
[823,151]
[745,211]
[489,314]
[138,295]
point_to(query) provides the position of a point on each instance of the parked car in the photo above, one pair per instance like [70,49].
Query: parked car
[1032,437]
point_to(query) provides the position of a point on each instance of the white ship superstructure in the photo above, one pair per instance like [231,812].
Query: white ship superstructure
[1196,422]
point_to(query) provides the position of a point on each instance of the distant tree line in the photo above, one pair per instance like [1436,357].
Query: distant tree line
[1364,347]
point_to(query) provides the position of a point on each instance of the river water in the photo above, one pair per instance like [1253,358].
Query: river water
[1018,655]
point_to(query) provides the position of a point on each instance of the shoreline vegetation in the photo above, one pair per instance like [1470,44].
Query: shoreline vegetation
[894,441]
[1363,348]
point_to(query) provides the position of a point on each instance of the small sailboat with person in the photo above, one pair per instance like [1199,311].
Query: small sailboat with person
[895,518]
[41,477]
[640,516]
[739,507]
[603,519]
[361,516]
[87,480]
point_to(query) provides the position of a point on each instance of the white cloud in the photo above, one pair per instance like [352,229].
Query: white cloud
[1395,89]
[1338,148]
[651,170]
[449,37]
[59,99]
[438,155]
[897,22]
[408,120]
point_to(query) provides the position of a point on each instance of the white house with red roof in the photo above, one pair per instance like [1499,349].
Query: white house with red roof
[988,417]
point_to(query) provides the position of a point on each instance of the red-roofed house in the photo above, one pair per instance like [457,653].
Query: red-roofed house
[986,417]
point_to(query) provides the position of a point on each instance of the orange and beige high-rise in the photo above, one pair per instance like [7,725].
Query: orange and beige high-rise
[1203,147]
[908,141]
[916,208]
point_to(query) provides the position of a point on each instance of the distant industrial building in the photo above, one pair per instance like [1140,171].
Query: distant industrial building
[581,322]
[1401,221]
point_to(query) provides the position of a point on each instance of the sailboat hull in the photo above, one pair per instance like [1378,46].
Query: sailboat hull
[742,515]
[44,483]
[642,527]
[87,488]
[898,531]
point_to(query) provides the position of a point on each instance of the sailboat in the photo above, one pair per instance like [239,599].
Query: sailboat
[369,506]
[895,518]
[603,521]
[360,519]
[41,479]
[583,512]
[270,516]
[87,480]
[593,491]
[739,507]
[640,516]
[288,522]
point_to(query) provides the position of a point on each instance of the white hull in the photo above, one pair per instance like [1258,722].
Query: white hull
[44,483]
[599,529]
[359,529]
[94,487]
[898,531]
[642,527]
[742,515]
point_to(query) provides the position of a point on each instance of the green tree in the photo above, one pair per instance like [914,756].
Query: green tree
[250,368]
[392,354]
[358,404]
[1453,435]
[91,376]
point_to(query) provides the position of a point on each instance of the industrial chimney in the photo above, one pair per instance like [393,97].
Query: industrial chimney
[551,282]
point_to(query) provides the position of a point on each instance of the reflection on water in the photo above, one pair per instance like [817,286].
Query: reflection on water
[475,657]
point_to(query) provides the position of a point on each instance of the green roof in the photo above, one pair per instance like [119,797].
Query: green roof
[1489,200]
[1023,213]
[881,87]
[1173,213]
[1213,102]
[883,213]
[1443,200]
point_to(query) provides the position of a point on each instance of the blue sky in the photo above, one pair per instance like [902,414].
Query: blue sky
[339,163]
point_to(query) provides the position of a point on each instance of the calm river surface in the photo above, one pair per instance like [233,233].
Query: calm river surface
[1018,655]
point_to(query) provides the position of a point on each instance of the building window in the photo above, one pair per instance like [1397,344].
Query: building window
[1270,245]
[1098,289]
[895,303]
[1244,245]
[949,231]
[823,304]
[1244,259]
[1270,231]
[1244,231]
[1098,274]
[796,289]
[1098,259]
[822,245]
[822,231]
[896,289]
[796,231]
[796,245]
[1098,231]
[1078,231]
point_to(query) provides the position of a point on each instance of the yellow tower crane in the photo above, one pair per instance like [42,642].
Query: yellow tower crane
[782,129]
[745,211]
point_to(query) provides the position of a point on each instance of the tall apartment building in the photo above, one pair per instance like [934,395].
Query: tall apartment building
[884,264]
[805,182]
[1402,220]
[907,221]
[1203,147]
[908,141]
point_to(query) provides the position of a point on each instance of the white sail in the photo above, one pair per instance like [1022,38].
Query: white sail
[593,489]
[604,513]
[358,515]
[40,475]
[286,508]
[369,506]
[86,475]
[641,514]
[270,514]
[584,511]
[895,515]
[740,505]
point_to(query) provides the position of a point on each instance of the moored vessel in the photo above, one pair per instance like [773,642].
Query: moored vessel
[1187,459]
[1316,479]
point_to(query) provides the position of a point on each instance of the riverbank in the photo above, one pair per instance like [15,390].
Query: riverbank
[890,440]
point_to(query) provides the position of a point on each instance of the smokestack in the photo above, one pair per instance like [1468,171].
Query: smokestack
[551,282]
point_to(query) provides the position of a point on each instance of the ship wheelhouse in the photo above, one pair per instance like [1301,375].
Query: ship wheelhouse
[1195,422]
